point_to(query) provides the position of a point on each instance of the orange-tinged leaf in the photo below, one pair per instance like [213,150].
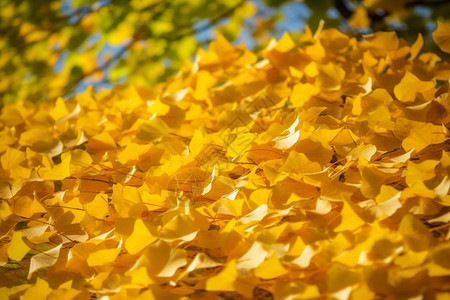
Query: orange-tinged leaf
[441,36]
[419,172]
[415,48]
[382,42]
[410,85]
[101,142]
[359,18]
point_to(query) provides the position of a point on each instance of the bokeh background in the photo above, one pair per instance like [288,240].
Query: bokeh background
[58,48]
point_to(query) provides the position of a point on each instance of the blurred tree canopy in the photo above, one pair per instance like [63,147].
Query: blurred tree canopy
[51,48]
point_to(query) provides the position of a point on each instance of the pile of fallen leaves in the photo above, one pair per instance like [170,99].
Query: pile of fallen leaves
[318,167]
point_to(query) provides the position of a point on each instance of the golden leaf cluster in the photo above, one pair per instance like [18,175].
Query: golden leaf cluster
[316,168]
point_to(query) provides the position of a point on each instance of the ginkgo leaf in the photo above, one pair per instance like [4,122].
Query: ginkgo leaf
[422,136]
[13,160]
[102,257]
[40,290]
[9,187]
[224,280]
[410,85]
[270,268]
[416,234]
[79,161]
[330,77]
[441,36]
[132,152]
[201,261]
[60,110]
[304,260]
[316,167]
[254,256]
[44,259]
[18,248]
[350,219]
[152,129]
[140,238]
[98,207]
[162,260]
[59,171]
[101,142]
[180,227]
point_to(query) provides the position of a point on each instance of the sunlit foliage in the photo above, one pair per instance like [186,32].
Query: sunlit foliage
[52,48]
[317,167]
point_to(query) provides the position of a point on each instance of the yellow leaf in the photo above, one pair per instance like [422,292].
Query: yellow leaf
[132,152]
[13,161]
[350,219]
[140,238]
[240,144]
[334,40]
[270,268]
[339,277]
[98,207]
[180,227]
[162,260]
[422,136]
[330,77]
[60,171]
[415,48]
[410,85]
[419,172]
[285,44]
[381,42]
[441,36]
[224,280]
[440,266]
[416,235]
[39,291]
[101,142]
[79,161]
[18,248]
[158,108]
[102,257]
[302,93]
[359,18]
[151,130]
[122,32]
[139,278]
[60,110]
